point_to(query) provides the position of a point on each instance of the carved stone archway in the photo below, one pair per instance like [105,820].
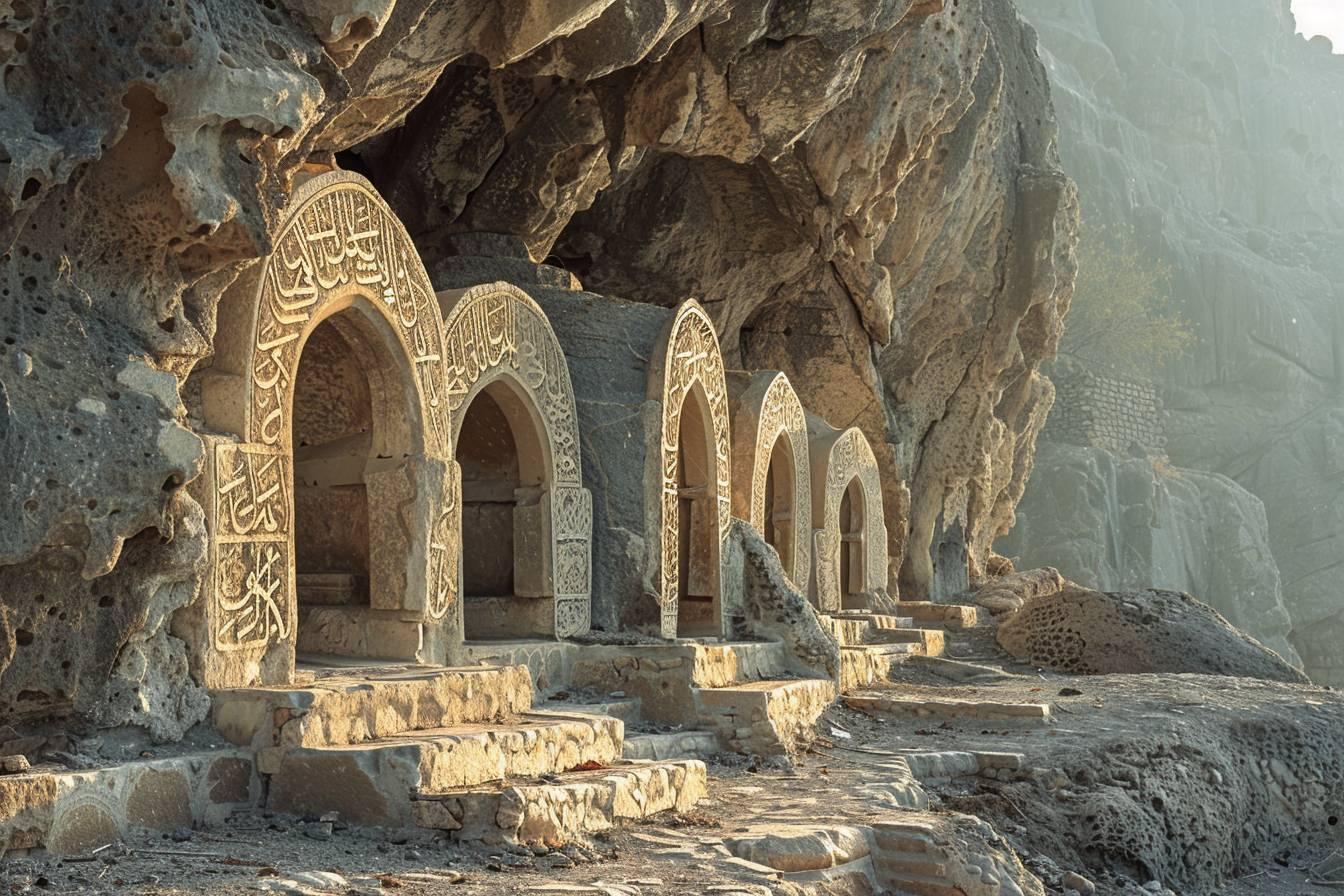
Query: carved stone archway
[498,342]
[770,456]
[689,368]
[845,476]
[338,251]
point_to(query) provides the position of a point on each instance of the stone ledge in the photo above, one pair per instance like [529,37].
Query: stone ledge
[677,745]
[67,812]
[369,783]
[765,718]
[558,813]
[352,706]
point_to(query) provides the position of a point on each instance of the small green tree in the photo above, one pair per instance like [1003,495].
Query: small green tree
[1122,320]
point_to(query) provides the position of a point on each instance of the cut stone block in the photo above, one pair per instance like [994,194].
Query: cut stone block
[676,745]
[550,662]
[765,718]
[664,676]
[558,813]
[369,783]
[862,666]
[950,616]
[352,706]
[927,641]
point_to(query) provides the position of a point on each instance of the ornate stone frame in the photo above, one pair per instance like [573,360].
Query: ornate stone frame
[767,409]
[496,333]
[689,358]
[838,459]
[338,247]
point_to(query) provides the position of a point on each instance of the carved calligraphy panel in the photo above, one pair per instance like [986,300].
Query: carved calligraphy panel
[850,457]
[691,358]
[253,584]
[495,331]
[341,240]
[781,413]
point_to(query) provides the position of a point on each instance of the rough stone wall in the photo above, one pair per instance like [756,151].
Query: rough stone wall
[865,194]
[1119,415]
[1217,134]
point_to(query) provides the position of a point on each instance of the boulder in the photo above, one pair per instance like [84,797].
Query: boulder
[1094,633]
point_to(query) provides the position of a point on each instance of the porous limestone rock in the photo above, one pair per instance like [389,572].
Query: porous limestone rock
[871,203]
[775,610]
[1093,633]
[1008,593]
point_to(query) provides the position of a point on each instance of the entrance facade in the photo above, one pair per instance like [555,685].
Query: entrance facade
[772,478]
[526,520]
[694,470]
[849,557]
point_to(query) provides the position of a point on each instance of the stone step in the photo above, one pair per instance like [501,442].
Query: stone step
[627,709]
[556,812]
[846,630]
[953,617]
[674,745]
[927,641]
[665,676]
[337,706]
[69,812]
[765,718]
[983,710]
[368,783]
[862,666]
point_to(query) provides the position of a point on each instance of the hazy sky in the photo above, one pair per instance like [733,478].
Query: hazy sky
[1321,17]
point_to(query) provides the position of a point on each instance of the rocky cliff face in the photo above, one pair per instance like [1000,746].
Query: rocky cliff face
[1218,135]
[1117,523]
[866,195]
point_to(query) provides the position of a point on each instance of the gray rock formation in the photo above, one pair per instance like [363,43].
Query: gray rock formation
[1090,632]
[865,195]
[1218,135]
[1121,523]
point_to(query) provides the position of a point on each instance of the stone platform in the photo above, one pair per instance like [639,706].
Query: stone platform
[746,693]
[67,812]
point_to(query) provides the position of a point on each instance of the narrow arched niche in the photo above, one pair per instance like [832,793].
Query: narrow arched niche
[781,515]
[852,557]
[506,527]
[698,593]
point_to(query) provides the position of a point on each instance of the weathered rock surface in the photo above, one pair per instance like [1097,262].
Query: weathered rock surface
[1220,146]
[871,202]
[1093,633]
[1118,523]
[1010,592]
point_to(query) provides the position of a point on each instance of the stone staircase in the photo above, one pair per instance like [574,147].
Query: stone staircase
[457,749]
[871,644]
[740,697]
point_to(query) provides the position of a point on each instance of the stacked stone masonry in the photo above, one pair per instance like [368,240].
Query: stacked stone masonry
[1098,411]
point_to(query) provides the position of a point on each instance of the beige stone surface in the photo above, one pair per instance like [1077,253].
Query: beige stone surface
[766,718]
[555,814]
[370,783]
[350,706]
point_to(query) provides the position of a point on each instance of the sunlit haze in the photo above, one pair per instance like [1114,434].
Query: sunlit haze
[1321,17]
